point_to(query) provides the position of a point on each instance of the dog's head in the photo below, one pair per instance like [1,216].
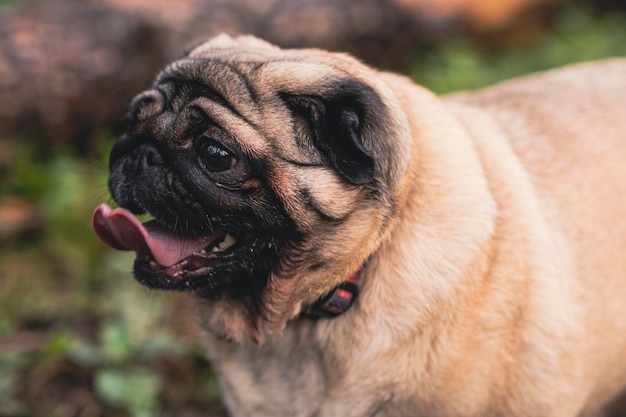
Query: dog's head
[270,175]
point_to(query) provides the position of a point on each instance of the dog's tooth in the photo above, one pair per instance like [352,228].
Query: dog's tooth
[228,241]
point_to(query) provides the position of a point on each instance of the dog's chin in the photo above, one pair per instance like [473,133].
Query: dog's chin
[241,269]
[234,262]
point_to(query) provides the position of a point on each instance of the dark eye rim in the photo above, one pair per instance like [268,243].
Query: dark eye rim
[229,161]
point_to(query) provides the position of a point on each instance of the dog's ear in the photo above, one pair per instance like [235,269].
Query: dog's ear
[336,124]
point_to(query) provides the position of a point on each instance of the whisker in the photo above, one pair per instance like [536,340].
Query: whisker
[209,223]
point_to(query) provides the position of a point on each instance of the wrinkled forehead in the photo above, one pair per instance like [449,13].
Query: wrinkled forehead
[256,71]
[250,83]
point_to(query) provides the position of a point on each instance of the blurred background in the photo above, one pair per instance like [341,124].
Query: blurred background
[78,337]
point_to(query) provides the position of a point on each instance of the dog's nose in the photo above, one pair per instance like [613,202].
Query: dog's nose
[150,157]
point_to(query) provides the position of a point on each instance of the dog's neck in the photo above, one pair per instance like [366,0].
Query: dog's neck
[337,301]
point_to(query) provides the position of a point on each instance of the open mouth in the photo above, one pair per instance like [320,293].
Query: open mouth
[170,261]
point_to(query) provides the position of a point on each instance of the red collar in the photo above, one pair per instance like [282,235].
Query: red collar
[336,302]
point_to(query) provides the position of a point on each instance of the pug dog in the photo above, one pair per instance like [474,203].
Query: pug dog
[357,246]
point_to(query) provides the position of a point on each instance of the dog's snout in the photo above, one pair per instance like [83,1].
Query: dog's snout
[149,157]
[147,104]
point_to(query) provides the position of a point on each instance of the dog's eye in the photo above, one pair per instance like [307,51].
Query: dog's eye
[215,157]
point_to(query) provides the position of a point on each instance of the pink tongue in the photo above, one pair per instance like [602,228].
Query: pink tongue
[121,230]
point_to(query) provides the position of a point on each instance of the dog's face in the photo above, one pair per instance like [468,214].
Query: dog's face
[270,175]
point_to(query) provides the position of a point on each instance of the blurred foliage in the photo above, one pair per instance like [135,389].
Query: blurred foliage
[462,64]
[9,2]
[79,338]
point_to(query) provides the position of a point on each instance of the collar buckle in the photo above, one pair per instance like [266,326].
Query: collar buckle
[336,302]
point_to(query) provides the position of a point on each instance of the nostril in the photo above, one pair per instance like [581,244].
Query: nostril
[150,157]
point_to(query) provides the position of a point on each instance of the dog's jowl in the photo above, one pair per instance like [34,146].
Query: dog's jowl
[357,246]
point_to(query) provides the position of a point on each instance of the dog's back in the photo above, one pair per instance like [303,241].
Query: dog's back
[567,129]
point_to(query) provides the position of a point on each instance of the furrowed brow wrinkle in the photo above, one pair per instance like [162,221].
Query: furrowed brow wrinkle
[192,89]
[239,96]
[301,163]
[317,207]
[248,91]
[232,79]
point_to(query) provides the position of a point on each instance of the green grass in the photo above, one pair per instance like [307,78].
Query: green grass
[579,36]
[72,319]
